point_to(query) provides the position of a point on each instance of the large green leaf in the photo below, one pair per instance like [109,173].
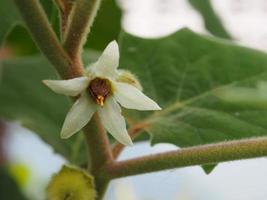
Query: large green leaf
[9,18]
[212,21]
[183,73]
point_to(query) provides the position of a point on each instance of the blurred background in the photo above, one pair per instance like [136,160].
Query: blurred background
[31,162]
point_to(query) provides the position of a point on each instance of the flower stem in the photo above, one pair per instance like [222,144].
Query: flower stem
[46,39]
[81,19]
[99,153]
[98,144]
[199,155]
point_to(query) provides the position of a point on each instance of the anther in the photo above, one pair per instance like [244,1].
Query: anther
[99,90]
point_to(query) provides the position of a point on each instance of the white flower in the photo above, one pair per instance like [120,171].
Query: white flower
[100,91]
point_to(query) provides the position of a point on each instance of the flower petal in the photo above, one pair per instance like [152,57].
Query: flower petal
[114,122]
[71,87]
[78,116]
[130,97]
[108,62]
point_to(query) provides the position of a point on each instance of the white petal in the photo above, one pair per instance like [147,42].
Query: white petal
[114,122]
[130,97]
[108,62]
[79,115]
[71,87]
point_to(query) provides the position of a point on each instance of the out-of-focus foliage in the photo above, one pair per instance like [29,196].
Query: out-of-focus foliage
[23,97]
[212,22]
[255,97]
[16,35]
[107,25]
[9,18]
[9,190]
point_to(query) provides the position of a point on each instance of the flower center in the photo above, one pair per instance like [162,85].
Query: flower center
[99,90]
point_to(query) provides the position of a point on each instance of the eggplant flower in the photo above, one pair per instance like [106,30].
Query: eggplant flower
[100,90]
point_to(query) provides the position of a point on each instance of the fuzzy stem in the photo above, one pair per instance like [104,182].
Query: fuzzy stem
[99,152]
[44,36]
[81,19]
[199,155]
[64,7]
[98,144]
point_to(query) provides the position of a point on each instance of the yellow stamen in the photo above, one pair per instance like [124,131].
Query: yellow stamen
[100,100]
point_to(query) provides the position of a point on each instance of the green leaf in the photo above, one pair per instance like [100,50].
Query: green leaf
[183,73]
[18,38]
[102,32]
[212,22]
[208,168]
[9,18]
[24,98]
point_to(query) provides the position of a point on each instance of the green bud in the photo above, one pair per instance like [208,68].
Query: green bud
[71,183]
[127,77]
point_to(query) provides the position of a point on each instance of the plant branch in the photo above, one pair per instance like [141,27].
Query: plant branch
[44,36]
[98,144]
[199,155]
[81,19]
[64,7]
[99,152]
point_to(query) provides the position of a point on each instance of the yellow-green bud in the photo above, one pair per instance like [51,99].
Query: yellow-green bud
[127,77]
[71,183]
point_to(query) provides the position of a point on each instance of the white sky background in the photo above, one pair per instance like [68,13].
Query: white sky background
[241,180]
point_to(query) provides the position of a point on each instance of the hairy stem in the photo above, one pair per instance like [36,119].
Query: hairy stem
[199,155]
[98,144]
[81,19]
[64,7]
[99,152]
[45,38]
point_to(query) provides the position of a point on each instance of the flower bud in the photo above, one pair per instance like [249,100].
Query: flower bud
[71,183]
[127,77]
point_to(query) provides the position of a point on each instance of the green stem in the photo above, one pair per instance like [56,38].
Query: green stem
[46,39]
[81,19]
[97,143]
[199,155]
[99,153]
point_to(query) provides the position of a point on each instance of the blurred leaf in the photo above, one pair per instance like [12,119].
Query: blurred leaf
[9,18]
[8,187]
[106,27]
[182,73]
[248,96]
[24,98]
[208,168]
[19,40]
[212,22]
